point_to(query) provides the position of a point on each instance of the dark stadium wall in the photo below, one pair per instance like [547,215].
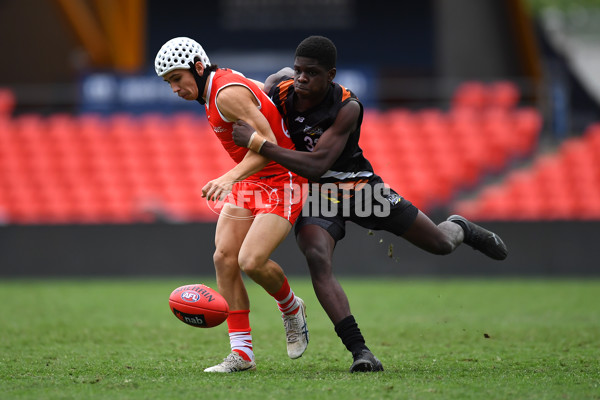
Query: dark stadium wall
[36,47]
[381,32]
[475,40]
[403,35]
[546,249]
[430,42]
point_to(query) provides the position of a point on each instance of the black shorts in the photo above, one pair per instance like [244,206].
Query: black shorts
[374,206]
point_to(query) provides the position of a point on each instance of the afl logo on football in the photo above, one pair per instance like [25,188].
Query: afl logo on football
[190,296]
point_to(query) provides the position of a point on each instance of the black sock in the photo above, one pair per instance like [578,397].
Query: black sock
[464,228]
[347,330]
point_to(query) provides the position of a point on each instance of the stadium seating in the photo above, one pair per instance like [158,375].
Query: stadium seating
[136,169]
[563,185]
[431,155]
[117,169]
[7,102]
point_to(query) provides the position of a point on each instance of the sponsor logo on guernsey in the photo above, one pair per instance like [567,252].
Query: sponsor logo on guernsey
[313,130]
[394,199]
[219,129]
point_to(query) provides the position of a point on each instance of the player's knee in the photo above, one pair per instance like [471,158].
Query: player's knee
[226,266]
[250,264]
[318,262]
[224,260]
[315,256]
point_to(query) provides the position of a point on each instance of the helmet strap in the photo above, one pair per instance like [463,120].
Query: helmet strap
[200,81]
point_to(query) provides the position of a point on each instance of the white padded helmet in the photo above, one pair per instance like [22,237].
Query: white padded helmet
[177,53]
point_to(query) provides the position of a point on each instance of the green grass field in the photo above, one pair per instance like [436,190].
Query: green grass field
[437,339]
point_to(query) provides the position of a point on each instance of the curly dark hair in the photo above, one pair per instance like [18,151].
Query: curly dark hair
[320,48]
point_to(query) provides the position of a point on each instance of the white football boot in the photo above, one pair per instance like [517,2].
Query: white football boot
[233,363]
[296,331]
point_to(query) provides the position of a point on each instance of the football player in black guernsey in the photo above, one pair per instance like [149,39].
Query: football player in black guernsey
[324,121]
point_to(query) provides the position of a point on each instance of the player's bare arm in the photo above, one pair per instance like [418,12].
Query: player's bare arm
[236,102]
[276,77]
[314,164]
[260,85]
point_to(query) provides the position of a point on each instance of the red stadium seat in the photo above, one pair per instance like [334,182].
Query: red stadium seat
[8,102]
[105,169]
[504,94]
[471,94]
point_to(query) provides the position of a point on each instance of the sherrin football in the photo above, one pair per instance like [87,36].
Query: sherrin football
[198,305]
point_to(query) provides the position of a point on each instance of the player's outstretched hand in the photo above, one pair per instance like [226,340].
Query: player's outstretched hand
[242,132]
[217,189]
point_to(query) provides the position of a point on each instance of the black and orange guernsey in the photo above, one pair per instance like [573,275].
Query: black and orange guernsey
[381,208]
[306,128]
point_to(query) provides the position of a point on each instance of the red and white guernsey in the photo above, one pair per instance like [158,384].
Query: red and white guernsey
[223,128]
[274,189]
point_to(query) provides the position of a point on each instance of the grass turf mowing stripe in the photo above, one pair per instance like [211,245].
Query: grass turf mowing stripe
[437,339]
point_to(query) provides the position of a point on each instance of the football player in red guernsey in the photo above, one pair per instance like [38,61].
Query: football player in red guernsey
[324,121]
[262,199]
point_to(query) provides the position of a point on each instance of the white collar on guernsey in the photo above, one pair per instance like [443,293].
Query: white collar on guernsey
[210,81]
